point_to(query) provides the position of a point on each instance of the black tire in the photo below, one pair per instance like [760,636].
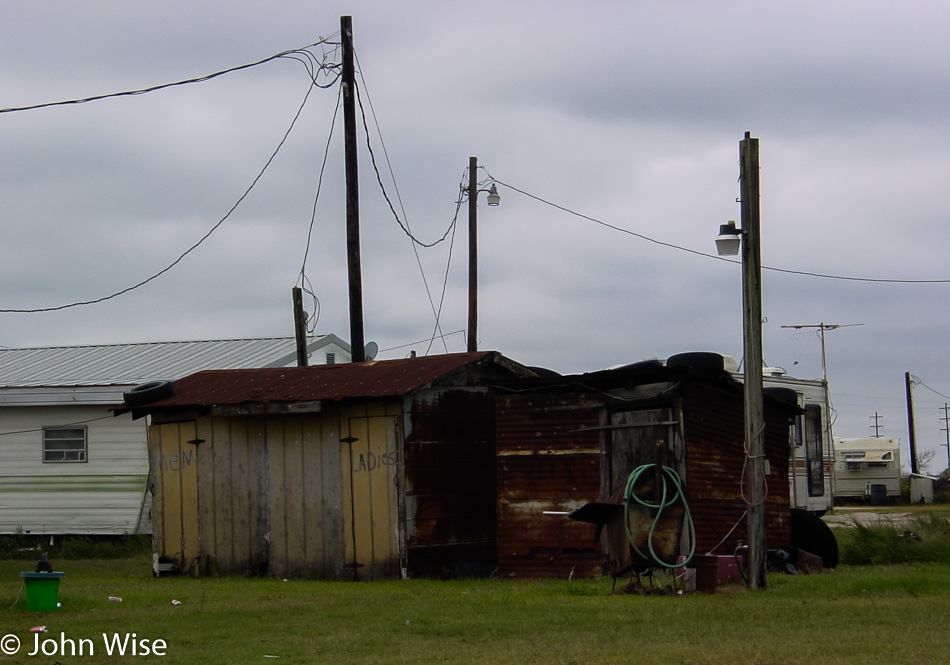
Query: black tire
[147,392]
[702,360]
[810,533]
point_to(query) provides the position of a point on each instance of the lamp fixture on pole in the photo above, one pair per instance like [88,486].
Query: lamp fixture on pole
[493,199]
[729,239]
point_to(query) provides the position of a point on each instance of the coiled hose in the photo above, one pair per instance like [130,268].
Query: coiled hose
[667,499]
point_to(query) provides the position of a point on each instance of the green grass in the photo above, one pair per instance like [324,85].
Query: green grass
[908,534]
[878,614]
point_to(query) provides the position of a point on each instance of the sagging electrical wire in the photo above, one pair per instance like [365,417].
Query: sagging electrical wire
[303,281]
[315,66]
[405,227]
[707,255]
[445,280]
[188,251]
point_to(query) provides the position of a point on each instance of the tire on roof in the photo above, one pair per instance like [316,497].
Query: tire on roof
[147,392]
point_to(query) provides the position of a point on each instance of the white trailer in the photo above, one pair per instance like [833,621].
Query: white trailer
[865,463]
[811,441]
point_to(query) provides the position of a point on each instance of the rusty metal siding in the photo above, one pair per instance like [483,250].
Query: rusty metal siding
[548,456]
[714,426]
[449,469]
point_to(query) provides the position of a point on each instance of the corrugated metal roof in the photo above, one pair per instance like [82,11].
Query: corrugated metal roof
[131,364]
[383,378]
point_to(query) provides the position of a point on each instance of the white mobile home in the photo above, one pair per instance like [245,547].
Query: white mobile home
[67,464]
[865,462]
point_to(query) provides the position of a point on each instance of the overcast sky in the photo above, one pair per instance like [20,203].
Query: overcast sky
[628,113]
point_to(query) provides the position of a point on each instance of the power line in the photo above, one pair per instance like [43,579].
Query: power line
[936,392]
[713,256]
[314,65]
[416,243]
[190,249]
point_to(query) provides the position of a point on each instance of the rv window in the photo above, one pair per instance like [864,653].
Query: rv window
[814,450]
[854,466]
[64,444]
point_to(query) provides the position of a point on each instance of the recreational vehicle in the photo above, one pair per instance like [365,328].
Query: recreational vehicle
[867,467]
[811,453]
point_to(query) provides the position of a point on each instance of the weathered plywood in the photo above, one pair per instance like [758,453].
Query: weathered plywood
[304,496]
[369,458]
[175,500]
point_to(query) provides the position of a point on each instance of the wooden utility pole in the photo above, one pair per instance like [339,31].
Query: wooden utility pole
[300,328]
[472,255]
[911,427]
[354,271]
[752,354]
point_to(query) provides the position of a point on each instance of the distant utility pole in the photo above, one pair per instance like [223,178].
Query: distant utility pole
[911,427]
[946,429]
[829,434]
[877,425]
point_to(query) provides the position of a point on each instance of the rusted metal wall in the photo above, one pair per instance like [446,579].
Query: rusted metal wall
[548,456]
[558,450]
[450,483]
[714,427]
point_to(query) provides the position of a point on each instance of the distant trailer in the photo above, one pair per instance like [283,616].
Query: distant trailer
[865,464]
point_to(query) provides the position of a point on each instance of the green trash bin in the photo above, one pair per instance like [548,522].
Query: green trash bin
[42,591]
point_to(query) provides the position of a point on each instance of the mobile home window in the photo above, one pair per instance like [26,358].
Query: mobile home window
[64,444]
[814,450]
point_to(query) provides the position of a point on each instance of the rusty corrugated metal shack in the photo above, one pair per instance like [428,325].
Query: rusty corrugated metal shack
[357,471]
[568,440]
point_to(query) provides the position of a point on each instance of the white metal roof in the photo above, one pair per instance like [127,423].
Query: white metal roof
[131,364]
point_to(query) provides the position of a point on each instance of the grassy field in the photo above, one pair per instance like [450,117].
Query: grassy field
[874,614]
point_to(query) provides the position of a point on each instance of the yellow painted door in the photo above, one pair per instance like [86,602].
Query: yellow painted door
[369,463]
[175,495]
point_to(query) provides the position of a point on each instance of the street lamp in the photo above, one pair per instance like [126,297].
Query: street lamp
[493,199]
[729,242]
[729,239]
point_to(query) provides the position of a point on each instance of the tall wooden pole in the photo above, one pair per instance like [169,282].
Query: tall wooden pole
[911,426]
[752,354]
[472,255]
[354,271]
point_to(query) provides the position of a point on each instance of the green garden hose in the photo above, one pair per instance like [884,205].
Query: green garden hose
[670,478]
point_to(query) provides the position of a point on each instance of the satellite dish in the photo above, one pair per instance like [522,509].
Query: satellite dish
[370,351]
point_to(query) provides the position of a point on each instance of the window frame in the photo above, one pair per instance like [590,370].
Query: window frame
[83,453]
